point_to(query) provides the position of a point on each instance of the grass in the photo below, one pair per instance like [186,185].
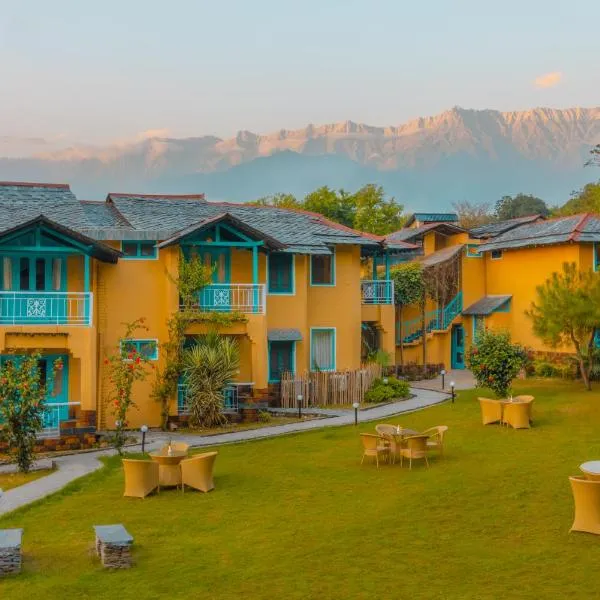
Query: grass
[244,426]
[298,517]
[13,480]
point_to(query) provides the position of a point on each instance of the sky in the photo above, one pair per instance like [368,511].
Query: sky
[76,72]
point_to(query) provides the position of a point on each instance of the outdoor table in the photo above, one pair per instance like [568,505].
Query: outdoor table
[591,469]
[169,473]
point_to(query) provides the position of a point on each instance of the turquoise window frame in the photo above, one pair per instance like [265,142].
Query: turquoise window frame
[333,274]
[333,348]
[293,361]
[138,343]
[492,257]
[138,255]
[596,262]
[476,253]
[291,291]
[48,275]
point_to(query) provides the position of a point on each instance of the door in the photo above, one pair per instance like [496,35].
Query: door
[458,347]
[218,296]
[281,359]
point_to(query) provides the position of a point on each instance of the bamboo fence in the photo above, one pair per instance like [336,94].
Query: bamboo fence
[327,388]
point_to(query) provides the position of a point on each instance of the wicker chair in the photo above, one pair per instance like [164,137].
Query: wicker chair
[197,472]
[141,477]
[436,438]
[177,446]
[516,414]
[529,401]
[390,434]
[416,447]
[586,494]
[491,411]
[375,446]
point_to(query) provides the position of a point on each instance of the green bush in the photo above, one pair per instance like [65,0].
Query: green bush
[545,369]
[384,391]
[264,416]
[495,361]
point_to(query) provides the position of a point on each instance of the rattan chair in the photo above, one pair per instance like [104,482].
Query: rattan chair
[491,411]
[375,446]
[529,401]
[436,438]
[516,414]
[141,477]
[390,434]
[586,494]
[416,447]
[197,472]
[177,446]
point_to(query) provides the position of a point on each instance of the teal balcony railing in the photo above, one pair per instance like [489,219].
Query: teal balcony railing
[53,415]
[230,399]
[248,298]
[377,291]
[46,308]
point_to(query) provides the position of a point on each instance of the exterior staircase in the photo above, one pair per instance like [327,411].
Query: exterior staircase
[435,320]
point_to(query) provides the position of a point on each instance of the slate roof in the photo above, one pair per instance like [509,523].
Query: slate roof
[432,218]
[486,305]
[412,233]
[494,229]
[441,256]
[284,335]
[575,228]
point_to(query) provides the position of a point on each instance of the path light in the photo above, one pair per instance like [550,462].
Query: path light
[144,430]
[356,406]
[452,384]
[385,381]
[299,402]
[443,374]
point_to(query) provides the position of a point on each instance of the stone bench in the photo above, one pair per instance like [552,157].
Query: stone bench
[113,546]
[10,551]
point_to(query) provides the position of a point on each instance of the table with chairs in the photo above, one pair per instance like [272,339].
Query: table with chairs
[516,412]
[170,466]
[393,442]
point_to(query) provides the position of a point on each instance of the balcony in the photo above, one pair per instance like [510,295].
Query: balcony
[377,291]
[247,298]
[46,308]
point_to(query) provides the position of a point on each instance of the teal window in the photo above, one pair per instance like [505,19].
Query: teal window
[281,273]
[596,257]
[322,349]
[281,359]
[34,273]
[322,269]
[146,348]
[496,254]
[139,250]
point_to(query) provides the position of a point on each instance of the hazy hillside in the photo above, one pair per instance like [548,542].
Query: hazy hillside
[425,163]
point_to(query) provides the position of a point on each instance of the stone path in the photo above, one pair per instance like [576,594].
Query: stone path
[69,468]
[463,378]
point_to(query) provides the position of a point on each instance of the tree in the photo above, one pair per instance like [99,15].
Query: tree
[521,205]
[587,199]
[374,212]
[567,313]
[595,160]
[472,215]
[279,200]
[495,361]
[22,406]
[408,289]
[209,366]
[337,206]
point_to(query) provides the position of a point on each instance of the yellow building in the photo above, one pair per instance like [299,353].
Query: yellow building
[487,277]
[73,272]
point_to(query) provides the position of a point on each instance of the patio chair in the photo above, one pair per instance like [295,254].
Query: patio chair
[586,494]
[529,401]
[197,472]
[177,446]
[436,438]
[516,414]
[141,477]
[389,433]
[416,447]
[374,445]
[491,410]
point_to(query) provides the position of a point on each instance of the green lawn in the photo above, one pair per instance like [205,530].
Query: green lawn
[13,480]
[298,517]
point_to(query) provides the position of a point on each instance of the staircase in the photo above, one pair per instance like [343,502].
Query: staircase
[435,320]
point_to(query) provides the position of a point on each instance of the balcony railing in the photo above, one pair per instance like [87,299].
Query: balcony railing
[54,414]
[249,298]
[46,308]
[230,399]
[377,291]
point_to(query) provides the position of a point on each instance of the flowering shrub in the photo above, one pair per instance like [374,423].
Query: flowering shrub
[22,406]
[386,389]
[495,361]
[125,366]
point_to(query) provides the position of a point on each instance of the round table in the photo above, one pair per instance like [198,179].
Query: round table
[591,469]
[169,473]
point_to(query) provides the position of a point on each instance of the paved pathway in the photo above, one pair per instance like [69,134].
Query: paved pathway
[76,465]
[463,379]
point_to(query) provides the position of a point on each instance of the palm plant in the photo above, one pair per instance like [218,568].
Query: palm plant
[208,367]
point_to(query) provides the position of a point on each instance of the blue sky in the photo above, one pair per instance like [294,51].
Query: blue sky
[73,72]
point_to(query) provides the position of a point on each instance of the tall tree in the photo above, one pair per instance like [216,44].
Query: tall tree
[587,199]
[471,214]
[279,200]
[374,212]
[567,313]
[338,206]
[521,205]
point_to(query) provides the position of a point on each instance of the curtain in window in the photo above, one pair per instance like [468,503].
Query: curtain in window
[323,357]
[7,273]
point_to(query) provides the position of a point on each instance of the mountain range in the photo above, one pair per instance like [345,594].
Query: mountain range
[427,163]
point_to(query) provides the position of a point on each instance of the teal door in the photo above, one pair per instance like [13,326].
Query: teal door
[281,359]
[219,295]
[458,347]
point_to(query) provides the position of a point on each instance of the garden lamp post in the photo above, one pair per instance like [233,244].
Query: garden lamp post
[356,406]
[144,430]
[385,381]
[452,384]
[299,402]
[443,374]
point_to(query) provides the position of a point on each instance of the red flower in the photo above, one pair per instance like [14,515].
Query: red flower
[131,367]
[130,356]
[137,360]
[116,403]
[106,361]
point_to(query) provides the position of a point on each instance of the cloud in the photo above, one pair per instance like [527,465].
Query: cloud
[548,80]
[152,133]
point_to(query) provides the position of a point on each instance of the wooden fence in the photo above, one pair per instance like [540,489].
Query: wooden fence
[327,388]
